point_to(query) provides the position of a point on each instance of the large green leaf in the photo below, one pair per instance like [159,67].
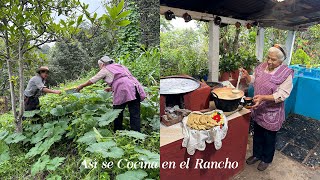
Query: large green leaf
[104,95]
[132,175]
[123,14]
[133,134]
[15,138]
[3,134]
[39,136]
[33,127]
[4,152]
[123,22]
[77,95]
[108,117]
[54,163]
[54,177]
[43,147]
[88,138]
[120,6]
[40,165]
[148,156]
[4,156]
[106,149]
[91,107]
[58,111]
[44,162]
[30,114]
[79,20]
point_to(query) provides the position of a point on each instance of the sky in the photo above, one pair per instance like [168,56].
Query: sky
[179,23]
[95,6]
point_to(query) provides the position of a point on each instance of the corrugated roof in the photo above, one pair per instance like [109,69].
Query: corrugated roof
[288,14]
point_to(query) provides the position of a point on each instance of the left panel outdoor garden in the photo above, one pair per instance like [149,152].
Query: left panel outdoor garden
[79,89]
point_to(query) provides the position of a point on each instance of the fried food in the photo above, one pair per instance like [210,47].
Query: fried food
[205,121]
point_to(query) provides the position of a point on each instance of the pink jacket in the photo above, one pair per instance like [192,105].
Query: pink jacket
[269,115]
[124,85]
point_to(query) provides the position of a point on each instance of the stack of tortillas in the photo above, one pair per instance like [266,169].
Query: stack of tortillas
[205,121]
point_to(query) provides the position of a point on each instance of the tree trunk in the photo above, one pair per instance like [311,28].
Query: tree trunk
[11,85]
[21,90]
[236,41]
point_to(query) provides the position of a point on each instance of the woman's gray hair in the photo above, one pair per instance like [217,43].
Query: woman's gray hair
[281,56]
[105,60]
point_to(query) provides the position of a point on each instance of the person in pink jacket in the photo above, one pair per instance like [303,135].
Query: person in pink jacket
[126,89]
[272,82]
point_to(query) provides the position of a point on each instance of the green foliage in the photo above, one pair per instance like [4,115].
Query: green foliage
[68,126]
[14,138]
[45,162]
[146,67]
[127,43]
[300,57]
[106,149]
[4,152]
[132,175]
[183,52]
[133,134]
[67,62]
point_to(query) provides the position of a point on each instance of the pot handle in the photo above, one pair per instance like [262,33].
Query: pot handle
[215,95]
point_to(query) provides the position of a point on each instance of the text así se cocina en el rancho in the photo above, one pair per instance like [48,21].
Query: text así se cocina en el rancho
[197,164]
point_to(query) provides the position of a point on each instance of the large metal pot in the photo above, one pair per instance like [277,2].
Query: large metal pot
[225,99]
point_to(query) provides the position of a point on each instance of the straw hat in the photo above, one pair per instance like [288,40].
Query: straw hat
[43,68]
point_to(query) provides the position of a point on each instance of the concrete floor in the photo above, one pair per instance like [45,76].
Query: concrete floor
[282,168]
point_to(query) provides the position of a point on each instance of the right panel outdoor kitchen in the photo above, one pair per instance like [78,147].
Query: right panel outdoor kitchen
[238,89]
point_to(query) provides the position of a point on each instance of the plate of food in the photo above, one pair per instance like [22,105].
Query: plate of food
[206,121]
[201,128]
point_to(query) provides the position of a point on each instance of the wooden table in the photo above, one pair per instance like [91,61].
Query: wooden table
[233,150]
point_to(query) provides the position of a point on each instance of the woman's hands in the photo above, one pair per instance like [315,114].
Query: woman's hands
[258,99]
[81,86]
[109,89]
[245,74]
[57,91]
[47,90]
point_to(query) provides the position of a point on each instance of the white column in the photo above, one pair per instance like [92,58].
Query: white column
[214,34]
[289,46]
[260,44]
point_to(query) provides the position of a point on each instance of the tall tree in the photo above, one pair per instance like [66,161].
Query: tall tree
[28,24]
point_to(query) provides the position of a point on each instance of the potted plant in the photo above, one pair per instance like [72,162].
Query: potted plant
[227,65]
[237,63]
[249,62]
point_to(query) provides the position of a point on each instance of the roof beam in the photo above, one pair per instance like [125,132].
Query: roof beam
[202,16]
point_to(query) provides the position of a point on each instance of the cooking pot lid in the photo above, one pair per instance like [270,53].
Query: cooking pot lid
[178,85]
[227,94]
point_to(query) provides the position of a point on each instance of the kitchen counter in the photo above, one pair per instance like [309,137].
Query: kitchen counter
[169,134]
[234,148]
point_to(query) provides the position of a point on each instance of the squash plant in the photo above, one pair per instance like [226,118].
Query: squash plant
[83,121]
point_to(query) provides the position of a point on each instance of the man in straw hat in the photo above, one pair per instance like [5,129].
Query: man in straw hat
[126,90]
[35,87]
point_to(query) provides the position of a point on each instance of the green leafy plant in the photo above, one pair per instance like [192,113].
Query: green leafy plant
[300,57]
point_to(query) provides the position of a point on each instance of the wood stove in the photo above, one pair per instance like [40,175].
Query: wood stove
[195,100]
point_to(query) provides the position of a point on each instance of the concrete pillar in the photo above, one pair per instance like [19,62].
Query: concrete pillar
[289,46]
[214,34]
[260,44]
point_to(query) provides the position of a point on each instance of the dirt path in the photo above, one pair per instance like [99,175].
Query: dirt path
[282,168]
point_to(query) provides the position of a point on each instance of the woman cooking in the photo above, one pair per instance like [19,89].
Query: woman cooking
[272,82]
[126,90]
